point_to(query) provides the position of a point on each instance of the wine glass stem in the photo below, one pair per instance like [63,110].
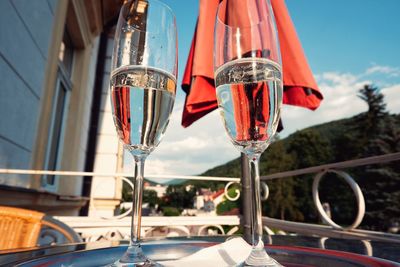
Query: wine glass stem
[137,200]
[256,215]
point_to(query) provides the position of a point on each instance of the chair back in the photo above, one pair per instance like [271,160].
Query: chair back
[19,228]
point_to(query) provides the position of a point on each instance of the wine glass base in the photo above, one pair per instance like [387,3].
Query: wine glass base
[134,257]
[259,258]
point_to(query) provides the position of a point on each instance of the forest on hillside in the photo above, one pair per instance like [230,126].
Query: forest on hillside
[371,133]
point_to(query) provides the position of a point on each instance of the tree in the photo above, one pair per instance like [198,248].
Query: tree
[381,182]
[150,196]
[381,135]
[308,148]
[375,100]
[362,127]
[230,169]
[371,122]
[126,193]
[348,144]
[282,201]
[179,197]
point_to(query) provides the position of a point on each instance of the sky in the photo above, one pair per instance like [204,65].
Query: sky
[348,43]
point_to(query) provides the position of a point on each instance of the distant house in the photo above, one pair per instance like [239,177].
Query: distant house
[54,107]
[160,189]
[207,200]
[218,197]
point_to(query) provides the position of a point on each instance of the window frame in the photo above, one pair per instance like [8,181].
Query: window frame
[63,82]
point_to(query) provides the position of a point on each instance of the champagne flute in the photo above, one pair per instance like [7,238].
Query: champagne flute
[248,77]
[143,87]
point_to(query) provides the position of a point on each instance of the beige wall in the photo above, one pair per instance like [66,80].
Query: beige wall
[106,191]
[76,136]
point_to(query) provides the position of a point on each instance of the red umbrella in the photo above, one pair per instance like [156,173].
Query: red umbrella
[300,88]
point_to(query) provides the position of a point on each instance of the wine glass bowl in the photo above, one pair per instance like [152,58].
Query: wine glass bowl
[143,88]
[249,100]
[142,99]
[249,88]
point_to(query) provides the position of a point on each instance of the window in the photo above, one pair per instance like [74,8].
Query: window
[59,113]
[66,54]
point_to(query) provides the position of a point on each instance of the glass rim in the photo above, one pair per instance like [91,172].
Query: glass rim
[219,21]
[218,69]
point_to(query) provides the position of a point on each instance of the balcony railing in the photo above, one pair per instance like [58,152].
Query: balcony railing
[95,228]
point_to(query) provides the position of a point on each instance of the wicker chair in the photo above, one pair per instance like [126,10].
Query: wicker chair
[21,228]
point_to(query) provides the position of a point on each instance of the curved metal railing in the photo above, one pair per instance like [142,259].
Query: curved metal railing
[337,168]
[330,230]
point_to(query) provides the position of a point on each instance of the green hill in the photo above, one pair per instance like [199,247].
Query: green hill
[330,132]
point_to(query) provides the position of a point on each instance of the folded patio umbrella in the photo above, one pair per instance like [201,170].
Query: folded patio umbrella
[300,88]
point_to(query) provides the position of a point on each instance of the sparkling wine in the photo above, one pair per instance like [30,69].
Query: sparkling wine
[249,93]
[142,99]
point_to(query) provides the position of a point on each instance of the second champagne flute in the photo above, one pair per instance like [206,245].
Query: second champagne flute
[143,87]
[248,80]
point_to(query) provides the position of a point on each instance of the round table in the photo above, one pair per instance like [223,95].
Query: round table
[296,251]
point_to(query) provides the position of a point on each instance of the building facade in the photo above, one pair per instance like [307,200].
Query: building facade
[54,71]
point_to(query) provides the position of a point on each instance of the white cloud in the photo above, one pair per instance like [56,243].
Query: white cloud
[392,97]
[204,145]
[337,78]
[394,72]
[192,150]
[340,98]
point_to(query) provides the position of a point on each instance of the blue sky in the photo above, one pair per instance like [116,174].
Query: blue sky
[345,35]
[348,35]
[348,43]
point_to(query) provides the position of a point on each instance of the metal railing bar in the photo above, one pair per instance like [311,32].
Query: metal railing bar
[328,231]
[95,222]
[315,169]
[108,175]
[337,165]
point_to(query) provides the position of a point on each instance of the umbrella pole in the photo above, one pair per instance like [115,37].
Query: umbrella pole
[246,198]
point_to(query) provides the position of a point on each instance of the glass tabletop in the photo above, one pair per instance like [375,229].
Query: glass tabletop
[293,251]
